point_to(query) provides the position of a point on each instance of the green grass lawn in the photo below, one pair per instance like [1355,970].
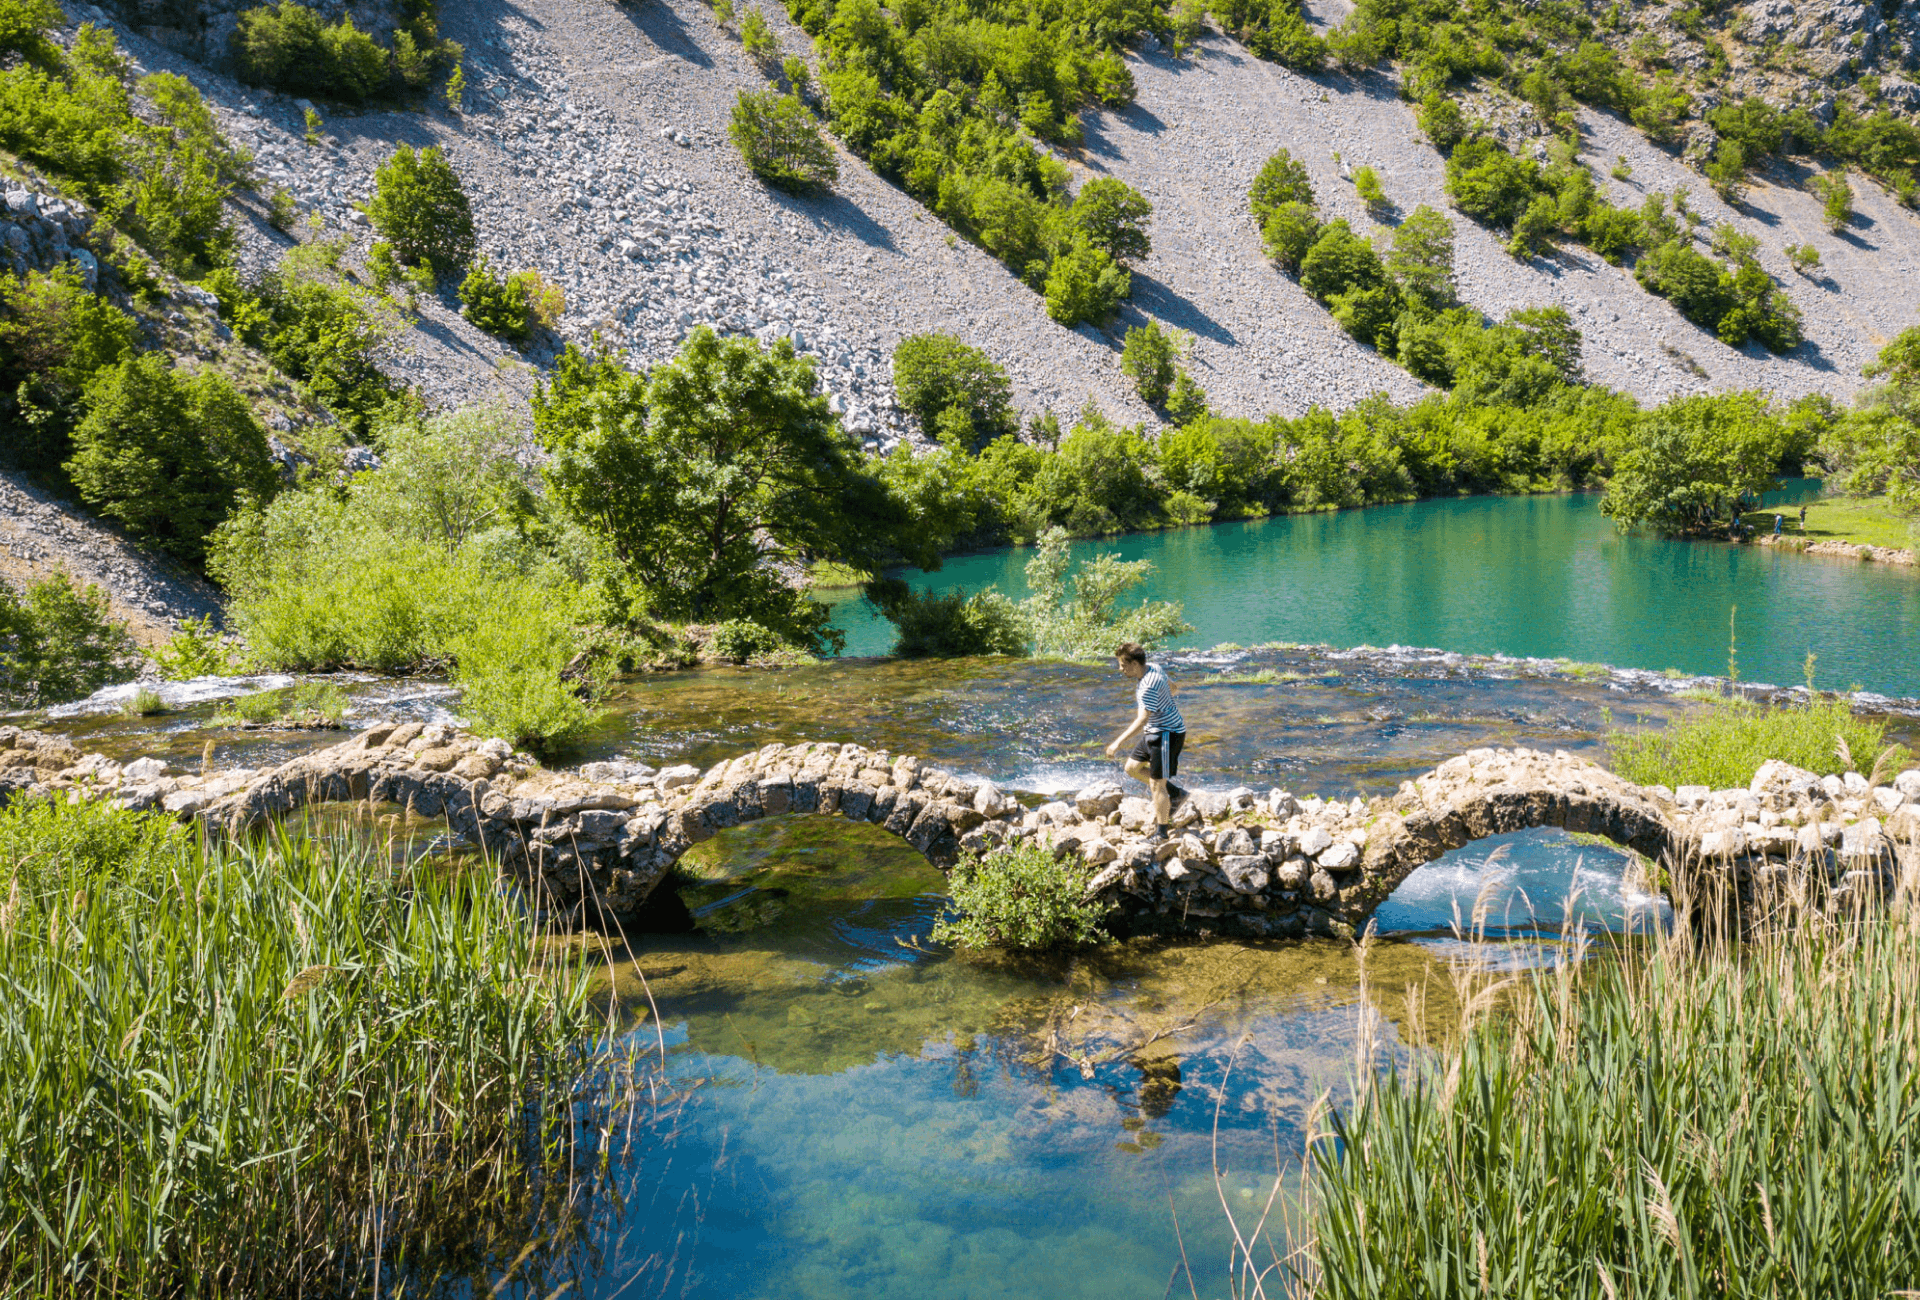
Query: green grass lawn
[1865,520]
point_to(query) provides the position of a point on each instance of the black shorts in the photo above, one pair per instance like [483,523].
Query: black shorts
[1153,749]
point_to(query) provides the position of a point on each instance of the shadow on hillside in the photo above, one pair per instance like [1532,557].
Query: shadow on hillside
[830,209]
[1152,298]
[662,26]
[1096,143]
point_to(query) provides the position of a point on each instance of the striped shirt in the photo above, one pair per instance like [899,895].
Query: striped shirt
[1156,697]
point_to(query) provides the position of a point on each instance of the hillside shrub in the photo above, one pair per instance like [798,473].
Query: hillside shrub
[1085,284]
[1187,401]
[1150,357]
[1367,184]
[499,306]
[168,457]
[1836,199]
[54,337]
[286,46]
[757,38]
[58,642]
[1019,899]
[1282,180]
[1075,611]
[934,374]
[1737,299]
[780,141]
[1442,121]
[510,666]
[1419,260]
[420,207]
[741,639]
[1290,231]
[24,25]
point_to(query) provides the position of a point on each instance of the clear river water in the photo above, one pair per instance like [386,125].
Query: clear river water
[856,1112]
[1543,576]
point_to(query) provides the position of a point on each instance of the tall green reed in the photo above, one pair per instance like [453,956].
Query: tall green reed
[280,1067]
[1698,1118]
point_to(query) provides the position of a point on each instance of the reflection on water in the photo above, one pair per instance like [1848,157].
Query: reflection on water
[872,1117]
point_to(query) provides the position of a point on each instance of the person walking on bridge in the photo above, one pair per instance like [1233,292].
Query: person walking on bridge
[1157,721]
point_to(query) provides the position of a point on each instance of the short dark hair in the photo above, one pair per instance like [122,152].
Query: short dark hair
[1131,652]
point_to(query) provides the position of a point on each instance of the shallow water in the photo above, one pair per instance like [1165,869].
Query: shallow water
[870,1116]
[1545,576]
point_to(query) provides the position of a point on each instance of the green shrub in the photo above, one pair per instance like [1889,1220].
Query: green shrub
[1366,183]
[1019,898]
[24,25]
[954,625]
[937,373]
[54,337]
[1150,358]
[781,143]
[421,209]
[1419,260]
[1085,284]
[1805,258]
[1442,122]
[1075,613]
[1723,745]
[1339,262]
[1687,462]
[1836,199]
[1281,181]
[510,665]
[1188,401]
[168,458]
[498,306]
[1488,183]
[1112,215]
[757,38]
[738,640]
[287,47]
[146,703]
[58,643]
[1290,231]
[198,649]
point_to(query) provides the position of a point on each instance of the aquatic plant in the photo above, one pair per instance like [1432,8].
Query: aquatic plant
[284,1067]
[310,704]
[1020,898]
[1700,1121]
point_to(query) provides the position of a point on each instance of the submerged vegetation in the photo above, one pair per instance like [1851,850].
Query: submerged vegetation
[286,1065]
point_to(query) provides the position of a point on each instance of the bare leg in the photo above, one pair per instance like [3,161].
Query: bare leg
[1162,801]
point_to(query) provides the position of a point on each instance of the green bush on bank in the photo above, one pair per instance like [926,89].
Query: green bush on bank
[1019,898]
[420,207]
[54,338]
[58,643]
[953,389]
[273,1064]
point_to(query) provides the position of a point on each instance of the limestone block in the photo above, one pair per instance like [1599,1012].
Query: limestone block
[1136,814]
[1723,843]
[906,810]
[1193,850]
[1863,840]
[856,798]
[599,825]
[1246,872]
[906,771]
[1343,856]
[1235,840]
[1691,796]
[1292,874]
[143,769]
[776,791]
[1097,851]
[1855,784]
[884,800]
[932,823]
[1187,814]
[641,832]
[1212,806]
[1908,784]
[677,776]
[1101,798]
[1176,869]
[1281,804]
[986,799]
[475,767]
[1104,880]
[1778,778]
[1322,886]
[1315,841]
[1885,799]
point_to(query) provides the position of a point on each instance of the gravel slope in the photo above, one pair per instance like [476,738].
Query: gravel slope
[594,143]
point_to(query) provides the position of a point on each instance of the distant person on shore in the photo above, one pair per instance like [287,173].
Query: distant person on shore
[1162,731]
[1803,519]
[1777,521]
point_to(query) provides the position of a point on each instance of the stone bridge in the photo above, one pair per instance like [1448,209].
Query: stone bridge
[1239,862]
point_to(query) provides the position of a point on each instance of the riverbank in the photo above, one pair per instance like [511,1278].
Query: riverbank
[1840,527]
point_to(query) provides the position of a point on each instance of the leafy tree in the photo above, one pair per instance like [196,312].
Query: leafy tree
[420,207]
[1488,183]
[1534,228]
[24,25]
[1876,449]
[1085,284]
[1188,401]
[781,143]
[286,46]
[54,336]
[168,458]
[1340,261]
[1290,230]
[1075,613]
[732,463]
[1112,215]
[1727,171]
[1420,258]
[1836,199]
[1442,122]
[58,642]
[1281,181]
[1150,358]
[1366,183]
[1694,459]
[934,374]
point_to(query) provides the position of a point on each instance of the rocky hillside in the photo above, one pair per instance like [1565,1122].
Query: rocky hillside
[594,139]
